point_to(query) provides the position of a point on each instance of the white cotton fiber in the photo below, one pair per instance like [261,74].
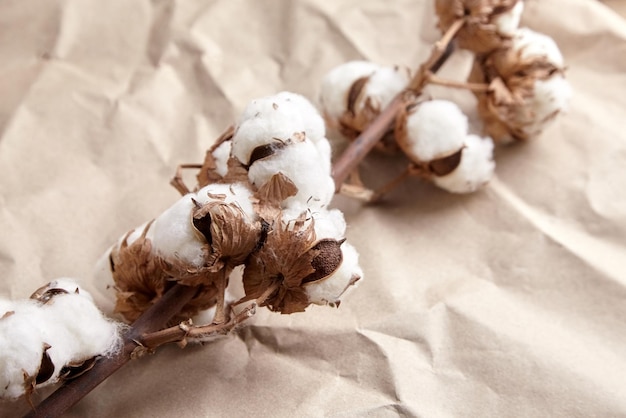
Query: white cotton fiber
[275,118]
[550,97]
[435,129]
[333,287]
[299,161]
[221,154]
[337,82]
[21,346]
[384,85]
[508,22]
[476,167]
[174,235]
[329,223]
[531,44]
[69,324]
[237,193]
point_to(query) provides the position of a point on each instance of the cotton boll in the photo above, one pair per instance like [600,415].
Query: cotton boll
[550,97]
[275,118]
[312,122]
[237,193]
[21,346]
[475,169]
[263,129]
[337,83]
[329,223]
[508,22]
[533,44]
[434,129]
[324,150]
[222,155]
[299,162]
[76,330]
[330,289]
[384,85]
[175,236]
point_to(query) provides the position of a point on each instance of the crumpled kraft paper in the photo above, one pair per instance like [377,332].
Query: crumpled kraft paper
[507,302]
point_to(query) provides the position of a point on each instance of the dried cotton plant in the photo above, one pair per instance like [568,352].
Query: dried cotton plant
[517,78]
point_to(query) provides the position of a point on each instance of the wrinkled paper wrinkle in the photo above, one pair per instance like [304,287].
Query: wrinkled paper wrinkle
[508,302]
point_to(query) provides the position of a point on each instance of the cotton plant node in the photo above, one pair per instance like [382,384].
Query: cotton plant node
[486,25]
[518,79]
[54,336]
[527,87]
[260,204]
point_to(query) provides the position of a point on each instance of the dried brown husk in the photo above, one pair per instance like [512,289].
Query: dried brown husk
[478,34]
[511,81]
[289,260]
[139,280]
[360,113]
[440,166]
[208,174]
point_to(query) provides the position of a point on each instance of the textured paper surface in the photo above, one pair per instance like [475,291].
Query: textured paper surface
[508,302]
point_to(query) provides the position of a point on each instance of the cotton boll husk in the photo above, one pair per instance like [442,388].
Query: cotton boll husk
[21,345]
[333,287]
[103,276]
[508,22]
[475,169]
[222,155]
[531,44]
[299,161]
[434,129]
[337,82]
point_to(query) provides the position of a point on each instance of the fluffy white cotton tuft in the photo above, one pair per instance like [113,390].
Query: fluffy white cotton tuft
[300,162]
[533,44]
[507,23]
[222,155]
[435,129]
[68,327]
[333,287]
[476,167]
[237,193]
[275,118]
[550,97]
[337,82]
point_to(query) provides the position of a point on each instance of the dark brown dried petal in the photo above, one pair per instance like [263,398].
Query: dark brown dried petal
[328,257]
[446,165]
[46,367]
[478,34]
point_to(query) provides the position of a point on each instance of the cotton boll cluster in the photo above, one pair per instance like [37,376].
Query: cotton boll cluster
[483,25]
[528,88]
[354,93]
[51,337]
[434,135]
[261,205]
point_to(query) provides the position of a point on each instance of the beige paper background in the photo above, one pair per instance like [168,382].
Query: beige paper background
[508,302]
